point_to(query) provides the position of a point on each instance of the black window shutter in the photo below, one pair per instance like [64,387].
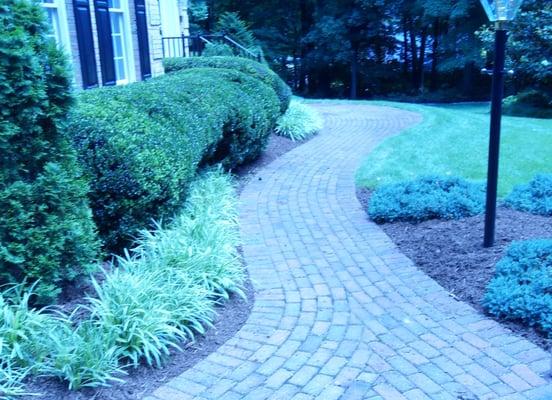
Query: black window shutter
[86,43]
[105,42]
[143,45]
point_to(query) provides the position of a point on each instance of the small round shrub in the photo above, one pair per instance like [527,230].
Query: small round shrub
[250,67]
[431,197]
[299,122]
[534,197]
[522,286]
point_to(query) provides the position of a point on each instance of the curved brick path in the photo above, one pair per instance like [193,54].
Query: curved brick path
[339,311]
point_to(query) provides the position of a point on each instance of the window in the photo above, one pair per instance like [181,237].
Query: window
[55,11]
[122,44]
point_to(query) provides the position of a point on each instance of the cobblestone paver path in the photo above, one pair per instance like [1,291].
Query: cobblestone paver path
[339,312]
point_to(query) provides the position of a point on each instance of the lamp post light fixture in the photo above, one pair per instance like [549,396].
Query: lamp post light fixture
[499,12]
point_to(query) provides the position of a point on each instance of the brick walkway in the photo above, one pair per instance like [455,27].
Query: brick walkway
[340,313]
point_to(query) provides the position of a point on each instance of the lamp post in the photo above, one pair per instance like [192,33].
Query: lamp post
[499,12]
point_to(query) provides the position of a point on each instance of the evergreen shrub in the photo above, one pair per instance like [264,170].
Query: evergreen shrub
[430,197]
[522,286]
[141,144]
[534,197]
[46,228]
[247,66]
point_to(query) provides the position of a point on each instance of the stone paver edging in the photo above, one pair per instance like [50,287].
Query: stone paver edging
[340,313]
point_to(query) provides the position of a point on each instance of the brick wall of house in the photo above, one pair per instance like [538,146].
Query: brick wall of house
[154,37]
[154,34]
[75,60]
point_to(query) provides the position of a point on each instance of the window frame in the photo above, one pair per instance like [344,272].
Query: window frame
[126,39]
[64,41]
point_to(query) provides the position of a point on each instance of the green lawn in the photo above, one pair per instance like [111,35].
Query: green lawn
[453,140]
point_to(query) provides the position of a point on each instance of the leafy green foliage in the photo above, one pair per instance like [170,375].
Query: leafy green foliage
[43,342]
[11,381]
[425,198]
[158,296]
[531,103]
[299,122]
[249,67]
[534,197]
[141,144]
[217,49]
[85,356]
[230,23]
[148,311]
[202,242]
[522,287]
[46,229]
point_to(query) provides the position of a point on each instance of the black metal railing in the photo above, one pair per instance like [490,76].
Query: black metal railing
[193,46]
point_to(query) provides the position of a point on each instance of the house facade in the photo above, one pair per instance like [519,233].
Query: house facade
[114,42]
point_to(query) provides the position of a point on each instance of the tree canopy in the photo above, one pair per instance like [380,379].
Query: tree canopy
[367,48]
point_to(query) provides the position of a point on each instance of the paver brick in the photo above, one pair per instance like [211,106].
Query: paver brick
[339,311]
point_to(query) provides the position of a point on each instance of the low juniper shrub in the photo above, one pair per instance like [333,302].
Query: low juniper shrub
[534,197]
[430,197]
[522,287]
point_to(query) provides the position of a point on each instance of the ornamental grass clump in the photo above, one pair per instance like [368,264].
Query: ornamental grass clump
[431,197]
[300,122]
[534,197]
[46,342]
[147,311]
[202,242]
[521,289]
[160,294]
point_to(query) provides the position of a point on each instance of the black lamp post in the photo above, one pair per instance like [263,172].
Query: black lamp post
[500,12]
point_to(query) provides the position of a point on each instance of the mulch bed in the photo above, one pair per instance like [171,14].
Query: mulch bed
[452,252]
[231,317]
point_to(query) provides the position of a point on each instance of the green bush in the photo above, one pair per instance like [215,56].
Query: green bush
[299,122]
[250,67]
[425,198]
[41,342]
[230,23]
[522,287]
[217,49]
[534,197]
[532,104]
[161,294]
[141,144]
[46,228]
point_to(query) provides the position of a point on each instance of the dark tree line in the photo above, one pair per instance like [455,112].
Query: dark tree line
[367,48]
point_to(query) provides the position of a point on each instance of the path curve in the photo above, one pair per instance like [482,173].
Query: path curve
[339,312]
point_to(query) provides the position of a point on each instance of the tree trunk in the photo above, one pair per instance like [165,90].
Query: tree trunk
[421,69]
[414,53]
[405,46]
[354,73]
[434,55]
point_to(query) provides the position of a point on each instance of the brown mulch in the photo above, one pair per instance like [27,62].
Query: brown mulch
[144,380]
[452,252]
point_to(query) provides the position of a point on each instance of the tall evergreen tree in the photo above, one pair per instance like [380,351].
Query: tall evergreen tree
[46,229]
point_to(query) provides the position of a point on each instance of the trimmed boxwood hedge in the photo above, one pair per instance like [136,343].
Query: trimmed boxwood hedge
[429,197]
[141,144]
[247,66]
[522,287]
